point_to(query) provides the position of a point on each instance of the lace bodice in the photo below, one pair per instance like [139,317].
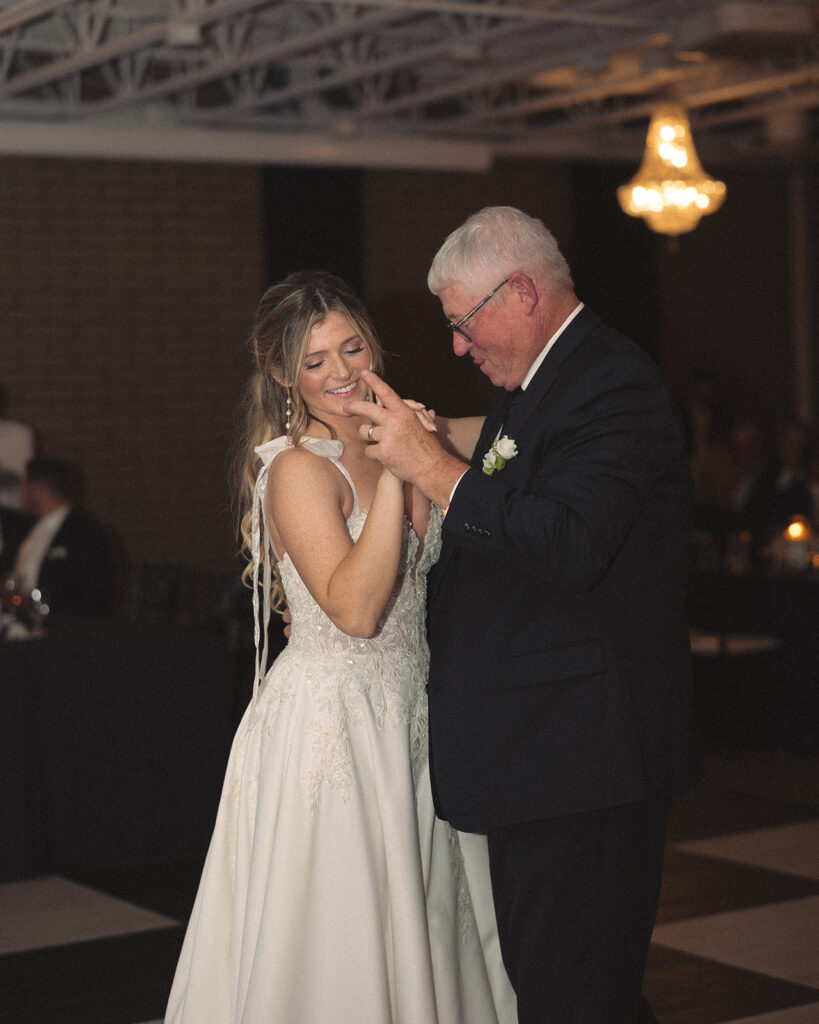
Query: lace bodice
[351,677]
[403,619]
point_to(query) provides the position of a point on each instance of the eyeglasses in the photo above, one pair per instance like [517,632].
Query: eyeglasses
[457,327]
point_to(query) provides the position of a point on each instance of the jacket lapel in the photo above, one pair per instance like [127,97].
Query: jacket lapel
[491,426]
[549,370]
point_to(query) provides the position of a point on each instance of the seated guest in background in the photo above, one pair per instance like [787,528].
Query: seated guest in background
[705,422]
[813,486]
[784,489]
[16,448]
[706,426]
[14,525]
[65,554]
[748,459]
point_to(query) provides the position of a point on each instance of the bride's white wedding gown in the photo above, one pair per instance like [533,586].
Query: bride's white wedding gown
[331,893]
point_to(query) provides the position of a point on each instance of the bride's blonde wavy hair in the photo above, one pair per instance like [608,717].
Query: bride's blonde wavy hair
[285,318]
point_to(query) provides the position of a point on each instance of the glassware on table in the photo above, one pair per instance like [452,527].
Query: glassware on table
[22,612]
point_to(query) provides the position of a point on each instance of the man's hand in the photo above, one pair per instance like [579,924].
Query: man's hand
[403,444]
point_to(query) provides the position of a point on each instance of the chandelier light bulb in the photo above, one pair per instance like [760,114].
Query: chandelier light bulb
[670,191]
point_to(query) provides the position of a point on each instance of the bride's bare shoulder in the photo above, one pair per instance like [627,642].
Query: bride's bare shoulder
[300,469]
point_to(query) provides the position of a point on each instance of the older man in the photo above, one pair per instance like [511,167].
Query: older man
[559,688]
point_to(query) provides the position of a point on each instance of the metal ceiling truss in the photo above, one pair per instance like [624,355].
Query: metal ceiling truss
[535,76]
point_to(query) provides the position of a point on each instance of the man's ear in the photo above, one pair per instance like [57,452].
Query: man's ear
[524,291]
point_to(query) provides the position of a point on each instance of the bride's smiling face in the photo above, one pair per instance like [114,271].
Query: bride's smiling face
[336,354]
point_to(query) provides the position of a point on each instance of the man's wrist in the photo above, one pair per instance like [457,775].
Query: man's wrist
[455,487]
[439,481]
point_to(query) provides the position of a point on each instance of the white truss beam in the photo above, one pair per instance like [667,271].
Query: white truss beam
[547,76]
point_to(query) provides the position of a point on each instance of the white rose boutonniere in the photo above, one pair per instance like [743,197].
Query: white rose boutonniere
[499,454]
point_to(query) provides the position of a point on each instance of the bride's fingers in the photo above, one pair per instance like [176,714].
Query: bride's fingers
[427,419]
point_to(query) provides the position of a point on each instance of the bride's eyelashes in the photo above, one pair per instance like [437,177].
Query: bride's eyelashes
[349,352]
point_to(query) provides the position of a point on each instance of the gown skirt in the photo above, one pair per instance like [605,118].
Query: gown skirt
[331,893]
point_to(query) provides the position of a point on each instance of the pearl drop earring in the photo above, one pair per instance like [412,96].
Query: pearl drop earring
[289,405]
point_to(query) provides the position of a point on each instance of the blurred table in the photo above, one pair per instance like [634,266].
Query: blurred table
[113,742]
[782,604]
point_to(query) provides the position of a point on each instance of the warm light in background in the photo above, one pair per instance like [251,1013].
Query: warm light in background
[670,190]
[797,530]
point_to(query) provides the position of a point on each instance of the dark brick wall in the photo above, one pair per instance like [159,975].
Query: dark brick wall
[126,293]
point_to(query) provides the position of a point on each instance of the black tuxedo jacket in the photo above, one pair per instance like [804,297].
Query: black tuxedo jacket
[560,667]
[76,574]
[14,527]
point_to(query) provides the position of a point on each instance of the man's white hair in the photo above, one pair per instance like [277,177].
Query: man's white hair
[493,243]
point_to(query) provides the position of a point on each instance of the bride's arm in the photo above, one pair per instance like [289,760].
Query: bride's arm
[351,582]
[460,434]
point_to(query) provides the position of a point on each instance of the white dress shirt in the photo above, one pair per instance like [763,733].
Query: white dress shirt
[33,550]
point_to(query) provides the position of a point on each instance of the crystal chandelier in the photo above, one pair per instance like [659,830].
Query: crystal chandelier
[670,190]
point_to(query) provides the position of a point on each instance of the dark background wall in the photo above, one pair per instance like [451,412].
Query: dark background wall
[406,217]
[127,291]
[719,298]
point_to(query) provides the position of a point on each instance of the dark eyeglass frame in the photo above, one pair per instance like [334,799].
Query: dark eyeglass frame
[458,325]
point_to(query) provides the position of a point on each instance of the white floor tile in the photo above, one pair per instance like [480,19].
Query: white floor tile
[808,1014]
[52,911]
[793,849]
[779,939]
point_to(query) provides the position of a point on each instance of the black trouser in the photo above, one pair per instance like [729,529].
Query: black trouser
[576,898]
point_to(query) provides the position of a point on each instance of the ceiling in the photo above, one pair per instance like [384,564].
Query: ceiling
[404,83]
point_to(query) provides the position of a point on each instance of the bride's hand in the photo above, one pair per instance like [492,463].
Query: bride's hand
[387,474]
[426,416]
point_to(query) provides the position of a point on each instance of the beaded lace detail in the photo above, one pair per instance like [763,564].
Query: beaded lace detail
[346,675]
[350,679]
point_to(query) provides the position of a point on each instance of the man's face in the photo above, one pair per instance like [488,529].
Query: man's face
[31,494]
[495,336]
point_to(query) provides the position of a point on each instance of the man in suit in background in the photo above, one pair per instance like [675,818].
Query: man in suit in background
[16,448]
[14,525]
[65,554]
[559,689]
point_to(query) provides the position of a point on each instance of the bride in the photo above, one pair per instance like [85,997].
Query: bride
[331,894]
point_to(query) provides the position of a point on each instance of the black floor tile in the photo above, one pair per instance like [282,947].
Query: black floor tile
[684,989]
[167,886]
[110,981]
[695,885]
[712,809]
